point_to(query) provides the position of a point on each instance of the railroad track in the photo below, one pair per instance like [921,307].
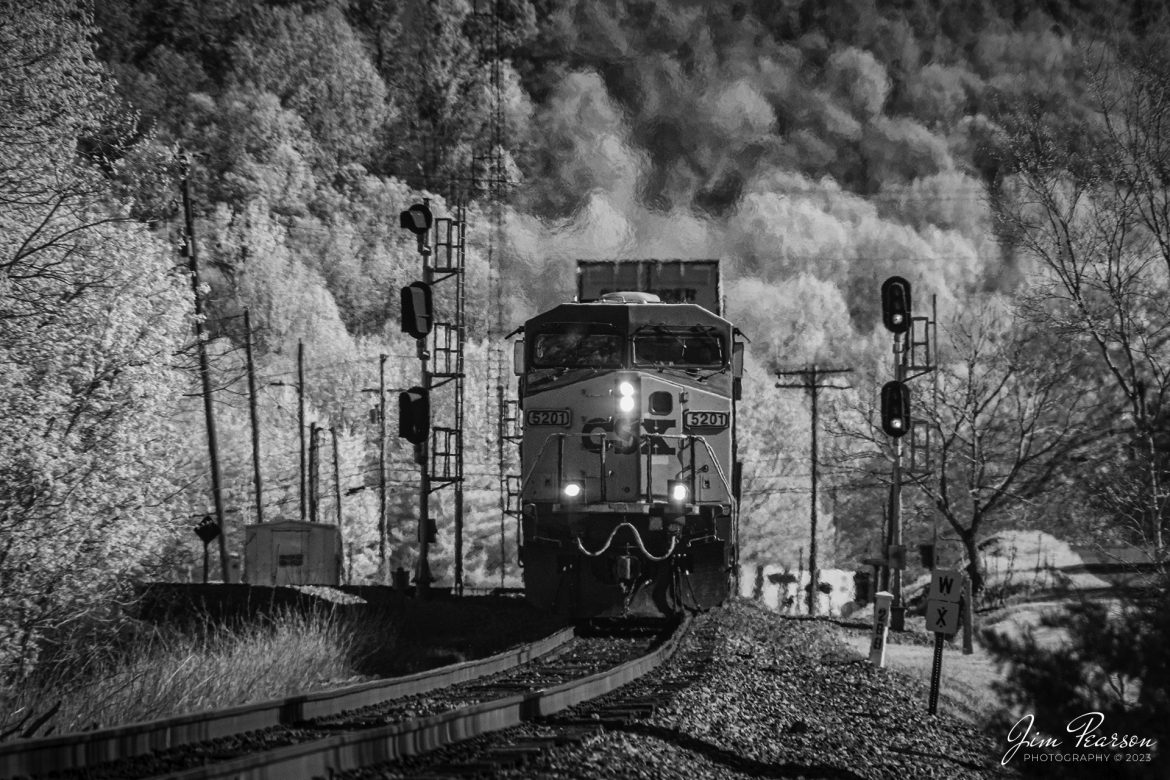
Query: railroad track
[590,668]
[84,753]
[320,734]
[546,746]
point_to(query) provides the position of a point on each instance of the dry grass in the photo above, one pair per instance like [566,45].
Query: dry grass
[965,686]
[167,673]
[137,672]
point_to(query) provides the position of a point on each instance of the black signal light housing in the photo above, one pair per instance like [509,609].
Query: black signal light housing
[414,415]
[895,408]
[417,309]
[896,304]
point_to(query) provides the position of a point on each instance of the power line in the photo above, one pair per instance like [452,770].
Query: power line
[810,385]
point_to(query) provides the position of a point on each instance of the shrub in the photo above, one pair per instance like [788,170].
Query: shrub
[1109,660]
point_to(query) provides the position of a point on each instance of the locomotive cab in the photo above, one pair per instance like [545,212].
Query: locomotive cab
[628,451]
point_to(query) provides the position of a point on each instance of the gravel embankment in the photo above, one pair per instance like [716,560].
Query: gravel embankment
[781,698]
[788,698]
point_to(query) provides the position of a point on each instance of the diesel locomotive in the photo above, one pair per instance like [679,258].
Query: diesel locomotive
[629,481]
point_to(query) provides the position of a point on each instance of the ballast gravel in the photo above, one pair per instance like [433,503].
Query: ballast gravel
[783,698]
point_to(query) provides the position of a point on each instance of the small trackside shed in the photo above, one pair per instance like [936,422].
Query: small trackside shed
[288,552]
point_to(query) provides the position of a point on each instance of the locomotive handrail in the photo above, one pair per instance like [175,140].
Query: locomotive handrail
[711,452]
[637,541]
[562,435]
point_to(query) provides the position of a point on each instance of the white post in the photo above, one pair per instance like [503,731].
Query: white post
[881,628]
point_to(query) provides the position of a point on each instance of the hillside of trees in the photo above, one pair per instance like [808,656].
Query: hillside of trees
[1005,157]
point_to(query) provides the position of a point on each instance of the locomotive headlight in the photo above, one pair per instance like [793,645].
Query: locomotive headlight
[627,396]
[572,490]
[678,490]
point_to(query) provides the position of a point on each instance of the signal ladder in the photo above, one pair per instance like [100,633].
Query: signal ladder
[446,366]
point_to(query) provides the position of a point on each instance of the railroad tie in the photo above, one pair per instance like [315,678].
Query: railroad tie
[509,756]
[451,770]
[614,715]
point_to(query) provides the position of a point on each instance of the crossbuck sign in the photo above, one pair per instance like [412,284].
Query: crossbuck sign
[942,605]
[942,617]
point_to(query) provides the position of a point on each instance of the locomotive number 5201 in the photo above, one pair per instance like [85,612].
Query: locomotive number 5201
[696,419]
[557,417]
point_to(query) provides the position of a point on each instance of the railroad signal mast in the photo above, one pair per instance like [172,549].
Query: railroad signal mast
[438,448]
[490,181]
[912,339]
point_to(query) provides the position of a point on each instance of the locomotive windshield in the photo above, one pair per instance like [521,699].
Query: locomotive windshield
[681,348]
[578,346]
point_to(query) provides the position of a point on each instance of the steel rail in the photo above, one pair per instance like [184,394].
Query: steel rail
[344,752]
[63,752]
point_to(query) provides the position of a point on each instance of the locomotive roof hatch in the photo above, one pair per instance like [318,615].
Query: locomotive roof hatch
[631,296]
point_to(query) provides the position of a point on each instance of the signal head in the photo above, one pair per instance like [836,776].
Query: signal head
[414,415]
[895,408]
[417,219]
[417,309]
[896,314]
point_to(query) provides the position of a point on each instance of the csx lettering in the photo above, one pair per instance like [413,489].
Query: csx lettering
[592,442]
[657,444]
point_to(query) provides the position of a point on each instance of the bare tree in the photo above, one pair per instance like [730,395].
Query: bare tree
[1006,415]
[1094,223]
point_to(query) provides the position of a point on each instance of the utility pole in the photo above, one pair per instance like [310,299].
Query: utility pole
[337,494]
[301,416]
[254,416]
[380,412]
[192,248]
[314,473]
[809,384]
[336,474]
[383,565]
